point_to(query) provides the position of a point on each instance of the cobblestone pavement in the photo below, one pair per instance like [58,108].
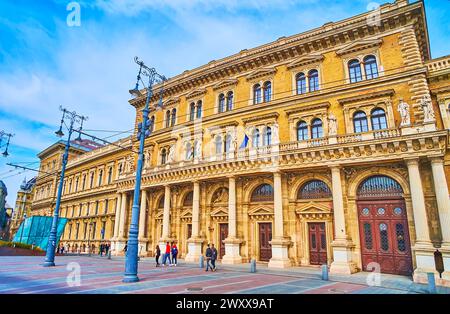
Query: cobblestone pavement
[25,274]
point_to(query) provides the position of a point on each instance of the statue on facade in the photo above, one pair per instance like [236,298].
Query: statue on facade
[235,143]
[275,133]
[220,196]
[403,109]
[198,148]
[427,107]
[332,124]
[147,158]
[171,157]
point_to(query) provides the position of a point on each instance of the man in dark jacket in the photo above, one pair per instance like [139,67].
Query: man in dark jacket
[213,257]
[208,255]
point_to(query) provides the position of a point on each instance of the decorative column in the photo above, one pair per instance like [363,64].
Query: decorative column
[443,202]
[117,219]
[423,250]
[342,244]
[166,219]
[121,241]
[232,243]
[195,242]
[142,222]
[280,244]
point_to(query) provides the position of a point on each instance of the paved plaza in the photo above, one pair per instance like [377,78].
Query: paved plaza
[100,275]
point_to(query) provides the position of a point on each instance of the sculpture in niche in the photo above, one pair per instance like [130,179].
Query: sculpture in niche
[129,164]
[332,124]
[427,107]
[220,196]
[403,109]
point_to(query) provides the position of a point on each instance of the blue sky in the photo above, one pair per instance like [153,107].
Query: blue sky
[45,63]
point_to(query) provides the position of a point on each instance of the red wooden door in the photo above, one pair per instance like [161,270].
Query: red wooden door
[383,229]
[317,243]
[265,236]
[223,234]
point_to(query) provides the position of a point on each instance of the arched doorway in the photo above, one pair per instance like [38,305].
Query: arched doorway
[262,195]
[383,226]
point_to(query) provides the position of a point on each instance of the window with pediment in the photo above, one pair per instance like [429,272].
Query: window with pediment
[370,67]
[192,111]
[354,70]
[199,109]
[267,136]
[267,90]
[313,80]
[221,103]
[256,94]
[173,117]
[163,156]
[167,118]
[230,98]
[262,193]
[300,80]
[255,137]
[378,117]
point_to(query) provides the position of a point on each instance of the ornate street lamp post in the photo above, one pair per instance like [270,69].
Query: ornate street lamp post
[73,118]
[144,130]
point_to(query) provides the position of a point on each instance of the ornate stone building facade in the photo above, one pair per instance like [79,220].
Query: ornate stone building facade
[24,200]
[329,146]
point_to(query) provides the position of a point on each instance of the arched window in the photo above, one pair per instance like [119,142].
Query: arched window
[300,80]
[230,101]
[218,144]
[354,70]
[191,111]
[378,118]
[314,189]
[263,193]
[255,138]
[189,151]
[83,184]
[227,143]
[92,180]
[267,91]
[163,156]
[302,131]
[161,202]
[199,109]
[152,123]
[370,66]
[100,177]
[167,118]
[188,199]
[316,128]
[360,122]
[174,117]
[221,103]
[256,94]
[313,77]
[110,175]
[379,186]
[267,136]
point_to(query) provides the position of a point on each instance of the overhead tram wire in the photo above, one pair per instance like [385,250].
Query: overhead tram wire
[157,123]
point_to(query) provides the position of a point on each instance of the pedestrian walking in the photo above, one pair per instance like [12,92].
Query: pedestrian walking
[125,248]
[167,254]
[102,247]
[213,257]
[107,245]
[174,254]
[157,255]
[208,255]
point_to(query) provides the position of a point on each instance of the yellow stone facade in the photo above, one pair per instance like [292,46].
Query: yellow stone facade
[198,177]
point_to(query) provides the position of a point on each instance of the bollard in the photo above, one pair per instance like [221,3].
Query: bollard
[324,272]
[202,261]
[431,283]
[253,266]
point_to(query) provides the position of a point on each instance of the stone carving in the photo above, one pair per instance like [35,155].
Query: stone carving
[235,143]
[129,164]
[171,157]
[220,196]
[332,124]
[427,107]
[403,109]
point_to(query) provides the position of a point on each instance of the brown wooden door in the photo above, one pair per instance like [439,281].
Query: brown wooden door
[189,231]
[223,234]
[317,243]
[265,236]
[383,229]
